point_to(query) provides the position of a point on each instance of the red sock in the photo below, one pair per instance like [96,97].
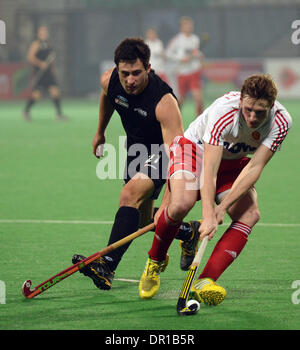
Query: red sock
[226,250]
[165,232]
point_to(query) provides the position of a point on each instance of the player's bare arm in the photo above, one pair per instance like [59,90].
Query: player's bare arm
[247,178]
[212,159]
[31,57]
[168,114]
[105,112]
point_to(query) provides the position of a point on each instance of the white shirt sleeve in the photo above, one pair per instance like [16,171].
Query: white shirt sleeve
[281,125]
[219,124]
[173,51]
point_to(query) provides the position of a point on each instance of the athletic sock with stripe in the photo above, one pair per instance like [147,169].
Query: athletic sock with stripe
[165,232]
[226,250]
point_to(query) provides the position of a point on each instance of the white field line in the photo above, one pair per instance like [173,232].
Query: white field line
[126,280]
[97,222]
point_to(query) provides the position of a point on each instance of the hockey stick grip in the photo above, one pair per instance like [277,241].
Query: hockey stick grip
[200,252]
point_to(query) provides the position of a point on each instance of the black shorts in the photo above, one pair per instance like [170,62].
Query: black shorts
[151,161]
[45,81]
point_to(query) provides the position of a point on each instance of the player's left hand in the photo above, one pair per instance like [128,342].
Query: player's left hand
[220,214]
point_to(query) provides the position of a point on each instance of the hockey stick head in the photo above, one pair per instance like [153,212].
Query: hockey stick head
[26,288]
[184,310]
[182,307]
[28,293]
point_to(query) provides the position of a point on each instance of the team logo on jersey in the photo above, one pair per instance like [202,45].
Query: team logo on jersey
[122,101]
[256,135]
[239,147]
[141,112]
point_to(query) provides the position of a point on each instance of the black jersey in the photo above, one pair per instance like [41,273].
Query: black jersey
[137,112]
[44,51]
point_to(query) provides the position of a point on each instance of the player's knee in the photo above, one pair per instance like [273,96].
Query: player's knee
[54,92]
[130,198]
[250,217]
[178,210]
[36,95]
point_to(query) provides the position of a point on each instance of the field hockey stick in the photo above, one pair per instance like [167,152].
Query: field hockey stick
[38,76]
[182,309]
[28,293]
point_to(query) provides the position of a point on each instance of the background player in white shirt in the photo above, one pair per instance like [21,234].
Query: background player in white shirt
[157,58]
[235,125]
[183,52]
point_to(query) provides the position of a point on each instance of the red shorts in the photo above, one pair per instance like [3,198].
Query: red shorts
[186,156]
[229,170]
[188,82]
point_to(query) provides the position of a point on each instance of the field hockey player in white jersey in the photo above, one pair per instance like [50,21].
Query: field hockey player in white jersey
[157,58]
[216,146]
[183,53]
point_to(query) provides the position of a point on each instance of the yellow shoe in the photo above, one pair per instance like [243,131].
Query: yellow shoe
[150,281]
[205,290]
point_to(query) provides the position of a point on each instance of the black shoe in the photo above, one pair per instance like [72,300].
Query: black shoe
[97,270]
[189,247]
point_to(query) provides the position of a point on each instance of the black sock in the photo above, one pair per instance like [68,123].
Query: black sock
[29,104]
[185,232]
[56,102]
[126,222]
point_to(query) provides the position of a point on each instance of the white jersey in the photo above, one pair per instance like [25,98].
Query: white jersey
[181,46]
[222,124]
[157,59]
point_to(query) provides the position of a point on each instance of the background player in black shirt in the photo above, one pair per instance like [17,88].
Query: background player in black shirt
[41,56]
[150,115]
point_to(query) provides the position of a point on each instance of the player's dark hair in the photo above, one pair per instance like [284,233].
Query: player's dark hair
[130,49]
[260,86]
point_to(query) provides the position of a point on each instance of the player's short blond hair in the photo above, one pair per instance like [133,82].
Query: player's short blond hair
[260,86]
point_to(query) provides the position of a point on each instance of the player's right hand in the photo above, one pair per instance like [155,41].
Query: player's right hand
[98,145]
[208,228]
